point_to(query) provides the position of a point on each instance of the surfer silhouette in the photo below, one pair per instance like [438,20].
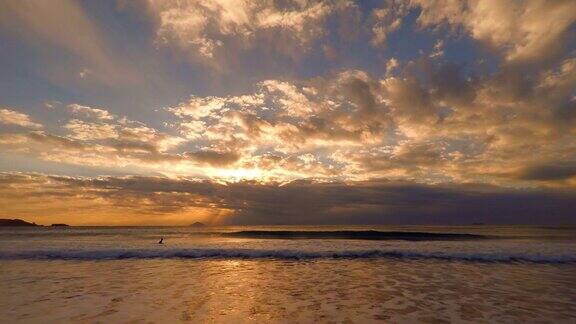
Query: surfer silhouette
[161,241]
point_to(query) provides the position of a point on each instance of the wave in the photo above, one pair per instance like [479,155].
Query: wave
[355,235]
[124,254]
[258,234]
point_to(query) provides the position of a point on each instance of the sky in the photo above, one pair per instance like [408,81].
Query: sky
[288,112]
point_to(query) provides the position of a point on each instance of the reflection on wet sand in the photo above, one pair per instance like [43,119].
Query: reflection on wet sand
[279,291]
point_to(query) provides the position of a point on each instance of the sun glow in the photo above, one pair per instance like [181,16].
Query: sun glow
[235,175]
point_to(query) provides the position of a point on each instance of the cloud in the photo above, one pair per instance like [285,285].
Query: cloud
[438,50]
[356,129]
[377,202]
[387,20]
[523,31]
[55,141]
[391,65]
[90,112]
[426,118]
[444,125]
[548,172]
[90,131]
[213,158]
[288,116]
[451,87]
[410,101]
[154,199]
[432,120]
[12,117]
[65,24]
[104,140]
[208,30]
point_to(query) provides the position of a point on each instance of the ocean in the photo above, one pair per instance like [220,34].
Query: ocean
[306,274]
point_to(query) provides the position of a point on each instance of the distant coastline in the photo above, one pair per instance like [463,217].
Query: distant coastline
[16,223]
[198,224]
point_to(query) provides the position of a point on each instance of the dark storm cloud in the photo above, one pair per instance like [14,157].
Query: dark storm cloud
[401,203]
[310,202]
[548,172]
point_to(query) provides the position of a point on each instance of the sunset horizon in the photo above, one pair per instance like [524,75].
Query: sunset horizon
[287,161]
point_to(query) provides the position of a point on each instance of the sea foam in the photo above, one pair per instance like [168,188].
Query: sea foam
[122,254]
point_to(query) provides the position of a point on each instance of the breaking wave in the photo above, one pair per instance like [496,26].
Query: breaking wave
[356,235]
[123,254]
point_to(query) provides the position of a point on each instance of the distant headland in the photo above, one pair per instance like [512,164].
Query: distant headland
[198,224]
[5,222]
[16,222]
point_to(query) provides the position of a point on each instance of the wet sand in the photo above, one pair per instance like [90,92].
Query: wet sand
[268,290]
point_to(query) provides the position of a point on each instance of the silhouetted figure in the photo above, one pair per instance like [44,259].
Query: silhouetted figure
[161,241]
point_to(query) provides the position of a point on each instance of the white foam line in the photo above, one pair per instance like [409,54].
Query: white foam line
[120,254]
